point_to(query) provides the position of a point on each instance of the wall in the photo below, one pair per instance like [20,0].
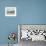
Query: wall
[7,24]
[28,12]
[33,11]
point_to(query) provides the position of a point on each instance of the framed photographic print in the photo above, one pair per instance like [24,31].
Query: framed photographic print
[10,11]
[33,32]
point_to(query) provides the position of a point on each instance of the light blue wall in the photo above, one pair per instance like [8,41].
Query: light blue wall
[28,12]
[33,11]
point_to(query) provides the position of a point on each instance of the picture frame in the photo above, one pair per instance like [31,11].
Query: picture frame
[10,11]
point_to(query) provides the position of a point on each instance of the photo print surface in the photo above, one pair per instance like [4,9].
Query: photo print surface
[33,32]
